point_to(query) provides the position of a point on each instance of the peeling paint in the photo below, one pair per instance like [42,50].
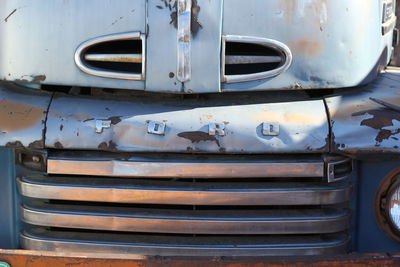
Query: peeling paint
[198,136]
[381,118]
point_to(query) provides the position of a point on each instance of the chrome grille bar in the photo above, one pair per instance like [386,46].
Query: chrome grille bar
[170,192]
[123,58]
[41,239]
[120,168]
[187,221]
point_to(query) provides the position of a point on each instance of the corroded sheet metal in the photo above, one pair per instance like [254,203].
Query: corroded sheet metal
[368,121]
[22,116]
[61,259]
[303,126]
[328,40]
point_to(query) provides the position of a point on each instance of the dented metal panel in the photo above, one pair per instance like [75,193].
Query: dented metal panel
[328,39]
[39,38]
[368,120]
[71,124]
[22,116]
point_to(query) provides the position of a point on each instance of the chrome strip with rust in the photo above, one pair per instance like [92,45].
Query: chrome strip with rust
[122,58]
[43,240]
[176,193]
[120,168]
[229,59]
[184,14]
[149,220]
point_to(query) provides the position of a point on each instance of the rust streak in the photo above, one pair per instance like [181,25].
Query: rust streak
[15,116]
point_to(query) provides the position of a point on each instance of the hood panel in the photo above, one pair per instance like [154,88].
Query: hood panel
[329,42]
[334,44]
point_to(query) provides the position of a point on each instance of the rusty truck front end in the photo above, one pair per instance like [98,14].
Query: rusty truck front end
[184,128]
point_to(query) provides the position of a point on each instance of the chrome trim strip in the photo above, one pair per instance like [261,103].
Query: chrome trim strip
[111,74]
[331,165]
[251,59]
[84,243]
[258,41]
[119,168]
[179,193]
[184,222]
[184,14]
[124,58]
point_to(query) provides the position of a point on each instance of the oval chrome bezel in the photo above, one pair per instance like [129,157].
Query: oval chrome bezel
[281,47]
[111,74]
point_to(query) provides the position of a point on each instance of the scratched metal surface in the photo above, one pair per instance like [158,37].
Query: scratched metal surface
[39,38]
[71,125]
[22,116]
[162,47]
[368,121]
[329,41]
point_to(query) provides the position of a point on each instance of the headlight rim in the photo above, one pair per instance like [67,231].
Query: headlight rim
[385,190]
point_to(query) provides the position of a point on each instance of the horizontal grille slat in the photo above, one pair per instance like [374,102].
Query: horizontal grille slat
[186,222]
[124,58]
[173,192]
[79,242]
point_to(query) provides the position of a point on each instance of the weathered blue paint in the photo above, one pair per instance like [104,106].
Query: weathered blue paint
[370,238]
[8,203]
[303,126]
[367,120]
[330,45]
[329,41]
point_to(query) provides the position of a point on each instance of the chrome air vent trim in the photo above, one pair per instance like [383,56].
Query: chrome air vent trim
[81,57]
[284,59]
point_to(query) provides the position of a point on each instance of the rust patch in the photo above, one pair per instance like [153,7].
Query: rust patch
[115,120]
[381,118]
[195,25]
[198,136]
[16,116]
[58,145]
[307,47]
[110,146]
[9,15]
[16,144]
[36,79]
[36,144]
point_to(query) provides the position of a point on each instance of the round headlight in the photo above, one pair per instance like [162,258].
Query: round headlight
[387,203]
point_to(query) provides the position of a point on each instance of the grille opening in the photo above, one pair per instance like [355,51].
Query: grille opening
[115,56]
[235,64]
[117,47]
